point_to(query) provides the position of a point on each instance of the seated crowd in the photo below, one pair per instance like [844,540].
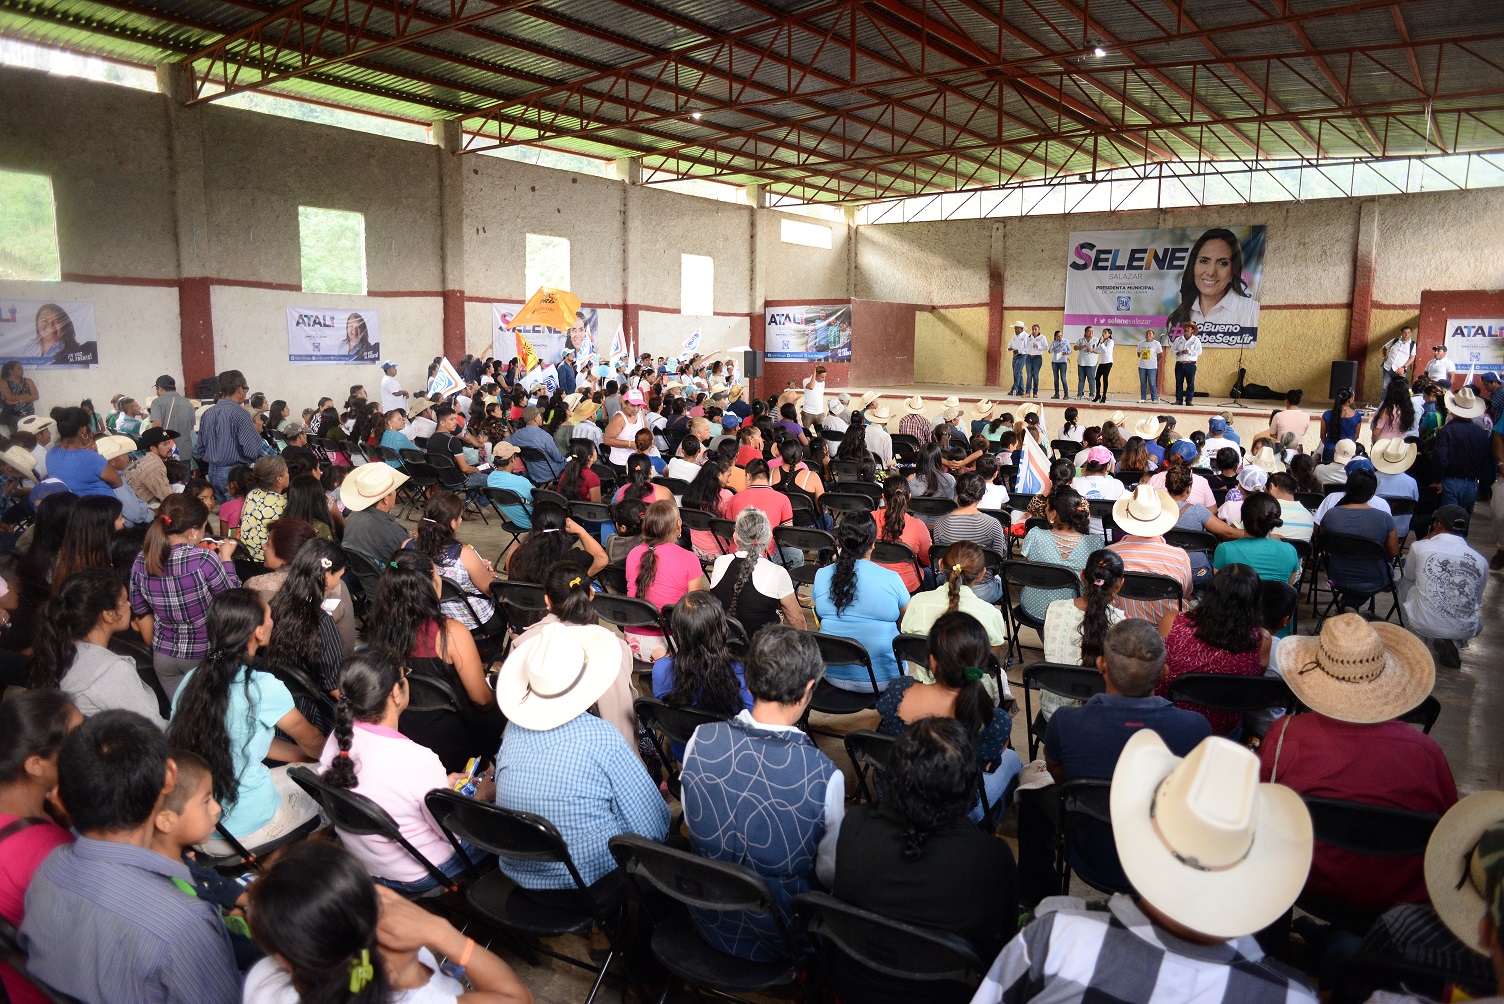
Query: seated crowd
[200,667]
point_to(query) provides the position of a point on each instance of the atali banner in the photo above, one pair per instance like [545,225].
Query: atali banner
[548,343]
[817,333]
[333,335]
[1476,345]
[1132,280]
[49,335]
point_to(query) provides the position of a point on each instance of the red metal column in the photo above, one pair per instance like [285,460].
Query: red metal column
[196,331]
[1363,268]
[994,311]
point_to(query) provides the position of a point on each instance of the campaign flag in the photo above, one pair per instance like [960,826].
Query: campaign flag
[692,343]
[525,354]
[619,344]
[445,381]
[1033,468]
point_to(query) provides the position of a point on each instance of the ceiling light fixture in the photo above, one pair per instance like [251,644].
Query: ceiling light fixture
[1099,52]
[694,115]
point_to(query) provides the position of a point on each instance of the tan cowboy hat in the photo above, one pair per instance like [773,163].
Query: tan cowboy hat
[368,484]
[1465,403]
[1117,418]
[673,385]
[718,388]
[417,405]
[572,401]
[983,409]
[1029,408]
[1344,451]
[556,675]
[1265,460]
[1203,840]
[952,402]
[35,424]
[866,399]
[1148,428]
[915,404]
[1392,456]
[21,459]
[1467,842]
[950,414]
[878,416]
[1145,512]
[111,447]
[735,393]
[1358,670]
[585,409]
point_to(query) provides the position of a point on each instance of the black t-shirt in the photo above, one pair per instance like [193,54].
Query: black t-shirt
[445,444]
[753,609]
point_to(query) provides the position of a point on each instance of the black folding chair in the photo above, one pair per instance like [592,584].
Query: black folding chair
[1191,540]
[1359,828]
[1311,500]
[805,514]
[1361,976]
[1152,586]
[1075,683]
[496,899]
[1130,479]
[868,752]
[1423,714]
[845,470]
[699,519]
[590,512]
[886,553]
[694,882]
[913,648]
[1034,575]
[867,489]
[499,497]
[489,631]
[817,542]
[358,815]
[1085,800]
[923,505]
[613,579]
[1346,597]
[1101,509]
[532,455]
[421,479]
[630,612]
[548,495]
[1241,694]
[676,486]
[12,955]
[890,948]
[1065,448]
[670,725]
[846,502]
[832,700]
[367,571]
[452,479]
[831,435]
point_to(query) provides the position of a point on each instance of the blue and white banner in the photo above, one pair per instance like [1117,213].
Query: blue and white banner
[1476,344]
[819,333]
[43,335]
[444,382]
[333,336]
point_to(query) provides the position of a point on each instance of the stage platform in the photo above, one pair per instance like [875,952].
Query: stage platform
[1248,418]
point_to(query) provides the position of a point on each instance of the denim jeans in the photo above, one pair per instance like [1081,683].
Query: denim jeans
[1147,384]
[996,784]
[1086,378]
[1185,383]
[790,557]
[989,589]
[219,477]
[1459,491]
[452,868]
[1018,375]
[1061,374]
[1033,364]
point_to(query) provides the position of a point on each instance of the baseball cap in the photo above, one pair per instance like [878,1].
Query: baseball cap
[729,420]
[155,437]
[1491,377]
[166,382]
[1216,425]
[634,397]
[49,486]
[1099,455]
[1358,464]
[1453,517]
[528,414]
[1184,449]
[388,365]
[504,451]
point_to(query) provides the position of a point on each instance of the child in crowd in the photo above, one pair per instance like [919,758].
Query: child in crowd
[204,492]
[239,480]
[628,517]
[332,481]
[177,474]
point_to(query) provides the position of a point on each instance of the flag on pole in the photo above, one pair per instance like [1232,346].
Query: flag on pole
[1033,468]
[619,344]
[445,381]
[692,343]
[525,354]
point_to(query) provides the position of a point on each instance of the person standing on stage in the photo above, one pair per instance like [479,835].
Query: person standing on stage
[1017,347]
[1149,351]
[1104,365]
[1086,364]
[1186,348]
[1035,347]
[1399,354]
[1060,360]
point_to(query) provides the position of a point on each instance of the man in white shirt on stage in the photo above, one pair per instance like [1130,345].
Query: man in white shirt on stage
[1018,346]
[1035,346]
[1186,348]
[1440,368]
[1398,355]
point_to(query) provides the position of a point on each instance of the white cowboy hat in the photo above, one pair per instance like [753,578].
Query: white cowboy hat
[1358,670]
[950,414]
[368,484]
[1145,512]
[1148,428]
[555,676]
[572,400]
[1266,461]
[35,424]
[1203,840]
[111,447]
[983,409]
[1456,858]
[1019,325]
[1465,403]
[21,459]
[879,415]
[1029,408]
[866,399]
[1392,456]
[952,402]
[1344,451]
[915,404]
[1117,418]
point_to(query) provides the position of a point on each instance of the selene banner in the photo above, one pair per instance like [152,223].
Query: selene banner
[1133,280]
[1476,345]
[808,334]
[332,336]
[43,335]
[549,343]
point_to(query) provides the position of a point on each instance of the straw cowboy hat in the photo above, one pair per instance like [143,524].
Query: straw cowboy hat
[366,485]
[20,459]
[585,409]
[1465,403]
[34,424]
[1117,418]
[1203,840]
[1467,843]
[735,393]
[417,405]
[1145,512]
[1266,461]
[572,400]
[952,402]
[1357,670]
[1029,408]
[111,447]
[879,415]
[1392,456]
[1344,451]
[983,409]
[915,404]
[1148,428]
[555,676]
[866,399]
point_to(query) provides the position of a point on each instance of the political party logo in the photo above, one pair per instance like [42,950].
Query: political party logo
[1125,303]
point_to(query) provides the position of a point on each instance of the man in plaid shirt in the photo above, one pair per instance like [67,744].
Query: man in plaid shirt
[1214,856]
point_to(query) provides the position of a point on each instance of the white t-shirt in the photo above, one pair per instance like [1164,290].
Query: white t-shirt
[1099,486]
[1213,445]
[268,983]
[1104,350]
[768,577]
[1398,355]
[389,397]
[814,396]
[1441,370]
[994,497]
[1441,588]
[420,428]
[1086,352]
[1149,352]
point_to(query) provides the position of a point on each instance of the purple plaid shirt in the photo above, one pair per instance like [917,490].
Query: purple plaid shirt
[179,598]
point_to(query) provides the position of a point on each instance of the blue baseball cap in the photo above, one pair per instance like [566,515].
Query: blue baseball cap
[1184,449]
[1491,377]
[729,420]
[1358,464]
[1216,425]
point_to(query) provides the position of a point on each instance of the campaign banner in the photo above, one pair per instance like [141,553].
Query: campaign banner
[334,336]
[49,335]
[814,334]
[1476,345]
[548,343]
[1133,280]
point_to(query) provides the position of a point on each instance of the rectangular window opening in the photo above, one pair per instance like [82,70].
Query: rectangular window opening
[696,284]
[332,250]
[809,234]
[547,263]
[28,228]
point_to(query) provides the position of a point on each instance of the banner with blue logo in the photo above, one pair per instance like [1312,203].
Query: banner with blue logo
[1476,345]
[1135,280]
[818,333]
[333,335]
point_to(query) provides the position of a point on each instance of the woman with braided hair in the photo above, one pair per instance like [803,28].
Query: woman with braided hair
[1075,630]
[896,525]
[964,564]
[373,693]
[755,591]
[858,599]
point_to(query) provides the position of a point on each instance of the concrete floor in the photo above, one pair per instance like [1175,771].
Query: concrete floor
[1472,700]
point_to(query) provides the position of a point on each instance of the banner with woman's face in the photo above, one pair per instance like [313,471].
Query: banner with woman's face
[549,343]
[49,335]
[333,336]
[1133,280]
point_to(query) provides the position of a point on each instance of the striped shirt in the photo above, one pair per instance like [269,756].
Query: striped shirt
[1153,555]
[108,923]
[1073,953]
[979,528]
[227,435]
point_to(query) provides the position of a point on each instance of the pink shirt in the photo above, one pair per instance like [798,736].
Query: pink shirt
[1152,554]
[229,513]
[395,773]
[677,568]
[1201,490]
[20,856]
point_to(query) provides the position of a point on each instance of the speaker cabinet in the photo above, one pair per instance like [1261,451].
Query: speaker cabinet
[1344,375]
[752,364]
